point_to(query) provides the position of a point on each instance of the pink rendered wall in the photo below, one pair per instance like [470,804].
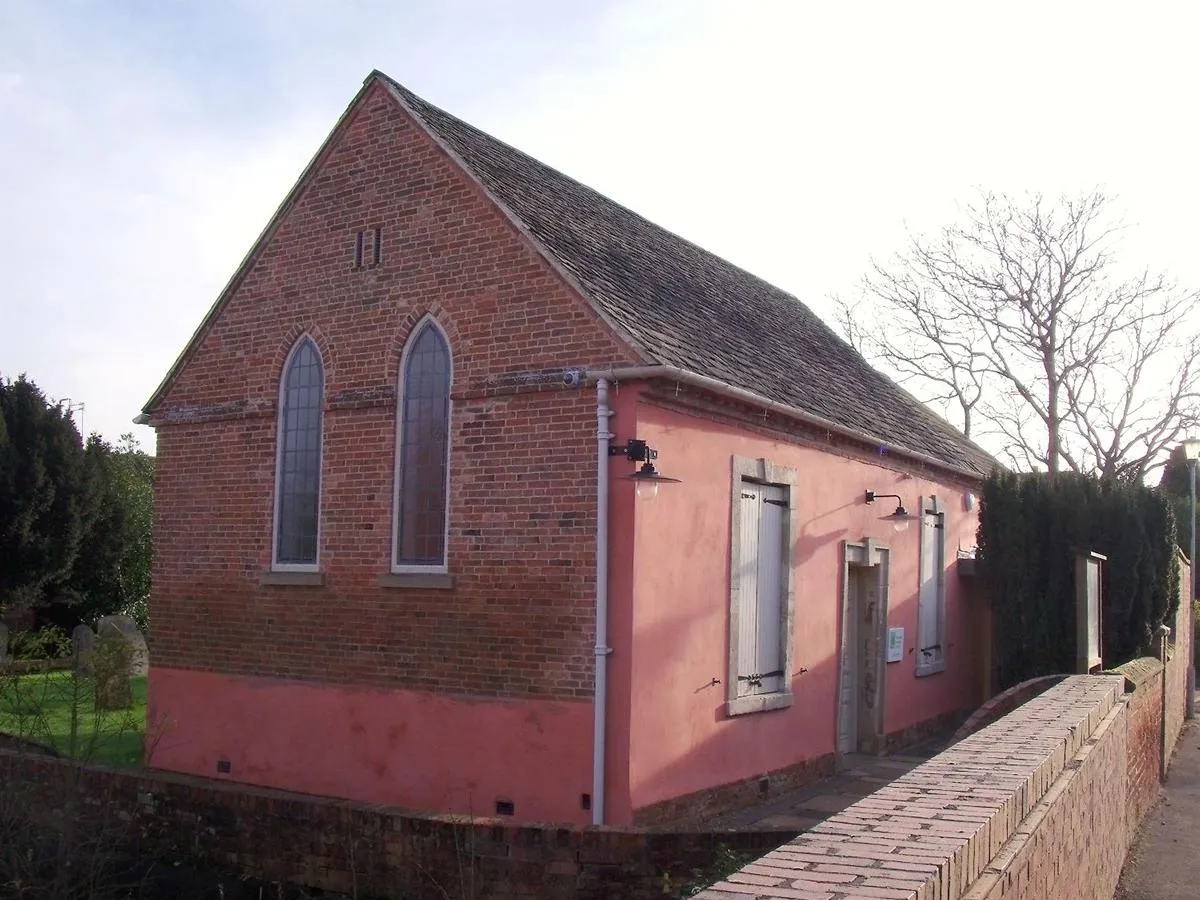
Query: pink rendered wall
[364,744]
[680,737]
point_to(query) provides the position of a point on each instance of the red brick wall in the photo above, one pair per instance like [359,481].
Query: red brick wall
[1144,740]
[522,511]
[358,849]
[1041,804]
[1179,659]
[1074,843]
[980,817]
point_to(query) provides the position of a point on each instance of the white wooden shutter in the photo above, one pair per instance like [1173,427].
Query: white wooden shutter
[751,523]
[770,589]
[760,589]
[930,646]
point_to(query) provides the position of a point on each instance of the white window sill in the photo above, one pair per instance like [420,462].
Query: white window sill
[753,703]
[931,668]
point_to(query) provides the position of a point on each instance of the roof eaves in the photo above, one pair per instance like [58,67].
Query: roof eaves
[977,472]
[622,333]
[252,255]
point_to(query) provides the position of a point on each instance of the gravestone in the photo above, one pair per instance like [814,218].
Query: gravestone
[139,653]
[3,642]
[110,668]
[83,649]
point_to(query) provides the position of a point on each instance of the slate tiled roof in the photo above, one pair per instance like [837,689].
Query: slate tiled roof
[688,308]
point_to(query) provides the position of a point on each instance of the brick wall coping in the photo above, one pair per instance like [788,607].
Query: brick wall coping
[935,830]
[1004,703]
[1137,672]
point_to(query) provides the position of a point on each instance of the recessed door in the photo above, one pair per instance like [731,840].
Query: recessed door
[860,689]
[848,683]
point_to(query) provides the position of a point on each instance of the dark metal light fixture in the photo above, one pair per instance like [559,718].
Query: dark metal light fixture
[900,518]
[646,476]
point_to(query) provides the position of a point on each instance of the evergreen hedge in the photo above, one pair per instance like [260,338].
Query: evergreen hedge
[1029,527]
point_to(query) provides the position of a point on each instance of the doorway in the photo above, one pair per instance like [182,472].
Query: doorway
[864,628]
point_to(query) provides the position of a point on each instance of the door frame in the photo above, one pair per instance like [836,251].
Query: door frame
[865,554]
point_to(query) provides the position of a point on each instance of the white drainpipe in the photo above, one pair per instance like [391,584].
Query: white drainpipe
[602,650]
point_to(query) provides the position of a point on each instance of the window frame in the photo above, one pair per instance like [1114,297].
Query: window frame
[397,568]
[931,506]
[761,472]
[315,565]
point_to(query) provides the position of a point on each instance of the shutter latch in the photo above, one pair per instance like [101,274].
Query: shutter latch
[756,679]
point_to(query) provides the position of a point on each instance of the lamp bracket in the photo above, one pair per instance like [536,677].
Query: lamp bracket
[872,496]
[635,450]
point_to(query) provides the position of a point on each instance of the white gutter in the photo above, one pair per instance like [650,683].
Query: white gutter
[720,387]
[602,650]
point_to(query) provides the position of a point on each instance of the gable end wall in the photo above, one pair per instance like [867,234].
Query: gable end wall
[522,514]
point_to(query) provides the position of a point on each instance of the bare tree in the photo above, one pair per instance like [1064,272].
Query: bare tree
[1016,322]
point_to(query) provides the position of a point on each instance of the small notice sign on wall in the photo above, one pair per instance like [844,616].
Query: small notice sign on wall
[895,645]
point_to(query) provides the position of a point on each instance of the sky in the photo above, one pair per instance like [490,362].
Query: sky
[144,145]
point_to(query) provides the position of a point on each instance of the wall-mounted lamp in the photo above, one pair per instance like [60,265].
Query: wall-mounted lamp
[900,518]
[647,477]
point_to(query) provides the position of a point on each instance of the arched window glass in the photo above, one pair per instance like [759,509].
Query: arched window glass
[422,451]
[298,472]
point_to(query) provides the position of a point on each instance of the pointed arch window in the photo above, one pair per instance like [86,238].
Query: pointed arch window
[422,452]
[298,466]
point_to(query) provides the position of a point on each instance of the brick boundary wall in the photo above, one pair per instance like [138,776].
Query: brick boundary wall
[1179,659]
[952,827]
[1040,804]
[1143,761]
[1005,702]
[1049,795]
[340,846]
[358,849]
[1043,803]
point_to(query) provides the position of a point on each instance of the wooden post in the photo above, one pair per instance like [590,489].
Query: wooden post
[1164,634]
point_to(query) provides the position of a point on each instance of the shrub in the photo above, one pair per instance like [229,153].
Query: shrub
[1030,527]
[46,643]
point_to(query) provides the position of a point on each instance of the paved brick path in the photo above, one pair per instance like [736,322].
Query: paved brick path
[805,807]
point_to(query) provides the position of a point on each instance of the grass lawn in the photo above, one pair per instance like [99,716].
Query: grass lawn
[56,709]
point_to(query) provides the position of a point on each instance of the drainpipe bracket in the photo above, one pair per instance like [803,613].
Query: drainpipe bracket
[602,651]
